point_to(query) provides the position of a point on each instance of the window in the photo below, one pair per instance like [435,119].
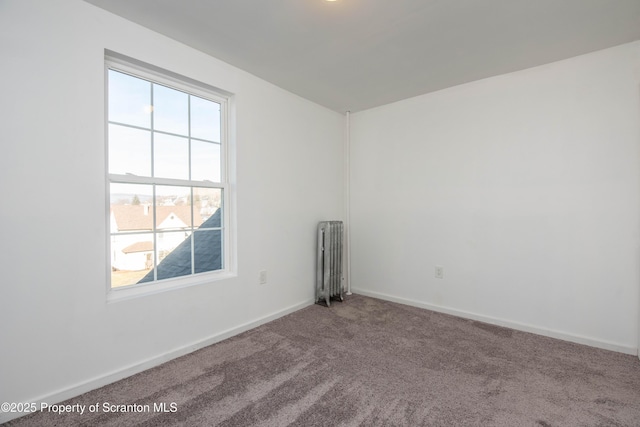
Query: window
[167,175]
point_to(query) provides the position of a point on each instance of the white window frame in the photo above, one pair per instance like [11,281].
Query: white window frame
[153,74]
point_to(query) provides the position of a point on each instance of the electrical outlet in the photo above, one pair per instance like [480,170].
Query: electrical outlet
[263,277]
[439,272]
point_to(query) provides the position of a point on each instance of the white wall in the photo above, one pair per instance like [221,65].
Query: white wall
[524,187]
[59,336]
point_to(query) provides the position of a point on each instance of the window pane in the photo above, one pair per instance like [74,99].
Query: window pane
[131,208]
[205,119]
[205,161]
[207,250]
[129,100]
[207,203]
[129,151]
[131,258]
[173,255]
[173,208]
[171,156]
[170,110]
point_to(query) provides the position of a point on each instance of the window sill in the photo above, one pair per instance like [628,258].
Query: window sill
[135,291]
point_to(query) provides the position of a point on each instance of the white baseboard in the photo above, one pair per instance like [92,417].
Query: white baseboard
[501,322]
[102,380]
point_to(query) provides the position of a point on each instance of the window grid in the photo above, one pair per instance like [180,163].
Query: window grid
[191,185]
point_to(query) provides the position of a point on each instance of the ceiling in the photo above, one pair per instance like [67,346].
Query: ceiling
[351,55]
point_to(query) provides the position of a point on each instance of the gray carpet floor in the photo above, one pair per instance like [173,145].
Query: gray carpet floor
[367,362]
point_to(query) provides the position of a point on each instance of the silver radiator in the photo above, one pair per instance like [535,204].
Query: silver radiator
[329,267]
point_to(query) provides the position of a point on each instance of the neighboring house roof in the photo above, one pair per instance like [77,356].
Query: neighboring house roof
[139,247]
[140,217]
[207,252]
